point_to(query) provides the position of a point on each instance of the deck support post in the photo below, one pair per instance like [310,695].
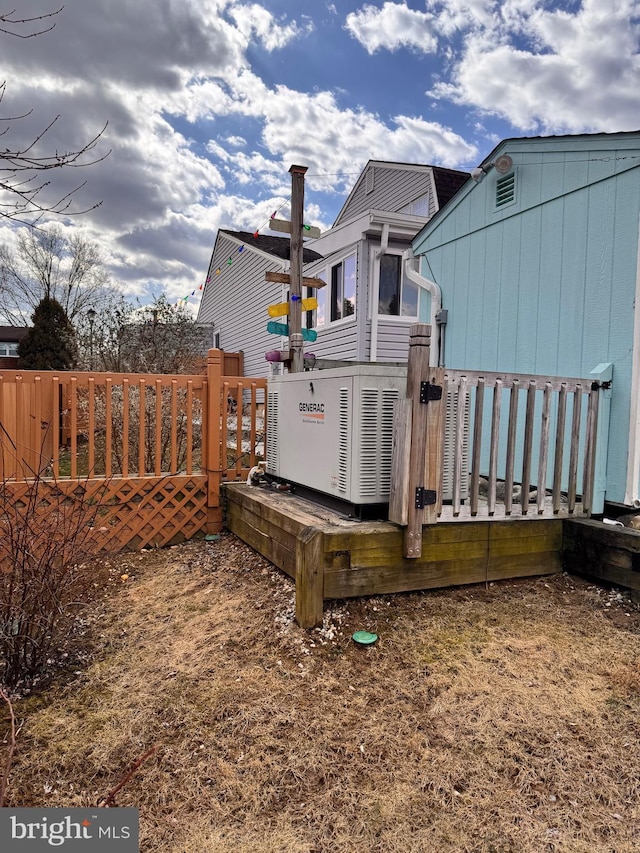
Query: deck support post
[213,448]
[309,577]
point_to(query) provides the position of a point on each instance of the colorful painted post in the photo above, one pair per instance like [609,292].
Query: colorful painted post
[295,286]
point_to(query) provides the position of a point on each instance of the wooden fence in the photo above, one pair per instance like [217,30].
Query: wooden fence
[481,445]
[152,449]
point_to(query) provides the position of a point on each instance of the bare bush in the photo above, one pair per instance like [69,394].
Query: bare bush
[150,428]
[45,536]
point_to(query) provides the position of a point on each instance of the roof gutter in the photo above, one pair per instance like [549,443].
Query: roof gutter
[436,303]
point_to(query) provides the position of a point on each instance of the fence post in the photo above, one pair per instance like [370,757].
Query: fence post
[420,507]
[309,577]
[213,448]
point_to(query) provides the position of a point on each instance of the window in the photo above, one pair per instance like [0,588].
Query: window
[397,295]
[9,349]
[319,316]
[418,207]
[216,340]
[343,289]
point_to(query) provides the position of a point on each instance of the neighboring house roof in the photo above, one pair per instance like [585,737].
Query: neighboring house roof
[11,334]
[279,247]
[448,182]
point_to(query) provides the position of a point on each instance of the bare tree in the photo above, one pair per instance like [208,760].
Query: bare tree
[22,185]
[156,338]
[49,264]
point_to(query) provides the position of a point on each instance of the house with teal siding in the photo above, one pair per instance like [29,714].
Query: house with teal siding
[536,261]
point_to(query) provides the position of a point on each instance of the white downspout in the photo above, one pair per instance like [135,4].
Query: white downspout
[436,302]
[631,497]
[384,245]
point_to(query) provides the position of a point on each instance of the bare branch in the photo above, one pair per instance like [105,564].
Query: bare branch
[7,19]
[21,190]
[11,747]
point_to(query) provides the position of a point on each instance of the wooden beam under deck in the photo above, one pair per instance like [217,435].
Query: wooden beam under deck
[331,556]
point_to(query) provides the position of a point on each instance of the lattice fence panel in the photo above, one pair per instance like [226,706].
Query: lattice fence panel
[133,513]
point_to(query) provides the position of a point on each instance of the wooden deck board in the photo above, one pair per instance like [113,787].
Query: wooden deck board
[350,558]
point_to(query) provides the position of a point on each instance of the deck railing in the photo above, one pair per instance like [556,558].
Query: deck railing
[147,442]
[474,445]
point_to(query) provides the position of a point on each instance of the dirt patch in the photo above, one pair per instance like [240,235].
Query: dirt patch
[495,719]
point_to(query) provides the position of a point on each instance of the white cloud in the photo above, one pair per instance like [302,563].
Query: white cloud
[253,19]
[314,130]
[553,70]
[392,26]
[200,140]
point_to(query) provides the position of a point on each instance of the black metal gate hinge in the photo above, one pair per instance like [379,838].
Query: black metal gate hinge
[425,497]
[430,392]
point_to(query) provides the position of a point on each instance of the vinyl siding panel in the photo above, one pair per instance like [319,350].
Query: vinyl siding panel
[236,302]
[393,340]
[342,339]
[393,189]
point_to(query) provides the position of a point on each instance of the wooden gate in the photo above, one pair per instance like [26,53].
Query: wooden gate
[484,445]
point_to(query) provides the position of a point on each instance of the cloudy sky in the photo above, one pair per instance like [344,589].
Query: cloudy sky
[208,103]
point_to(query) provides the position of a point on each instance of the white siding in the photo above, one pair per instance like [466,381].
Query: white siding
[236,303]
[393,188]
[393,340]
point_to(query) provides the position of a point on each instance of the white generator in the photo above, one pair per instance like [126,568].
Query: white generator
[331,431]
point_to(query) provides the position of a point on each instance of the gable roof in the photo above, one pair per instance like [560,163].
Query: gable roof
[519,144]
[279,247]
[559,138]
[390,186]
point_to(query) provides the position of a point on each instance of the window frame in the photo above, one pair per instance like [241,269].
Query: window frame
[325,294]
[332,321]
[399,317]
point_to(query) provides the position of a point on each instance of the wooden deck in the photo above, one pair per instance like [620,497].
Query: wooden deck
[331,556]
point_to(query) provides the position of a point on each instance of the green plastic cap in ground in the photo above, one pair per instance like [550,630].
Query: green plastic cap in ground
[364,638]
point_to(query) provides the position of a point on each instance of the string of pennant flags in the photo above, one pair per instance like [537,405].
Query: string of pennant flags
[256,233]
[229,261]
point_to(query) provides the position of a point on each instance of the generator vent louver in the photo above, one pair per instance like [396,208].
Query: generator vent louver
[369,441]
[448,462]
[272,431]
[376,440]
[343,441]
[389,397]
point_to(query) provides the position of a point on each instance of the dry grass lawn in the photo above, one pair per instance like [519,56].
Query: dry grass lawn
[496,720]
